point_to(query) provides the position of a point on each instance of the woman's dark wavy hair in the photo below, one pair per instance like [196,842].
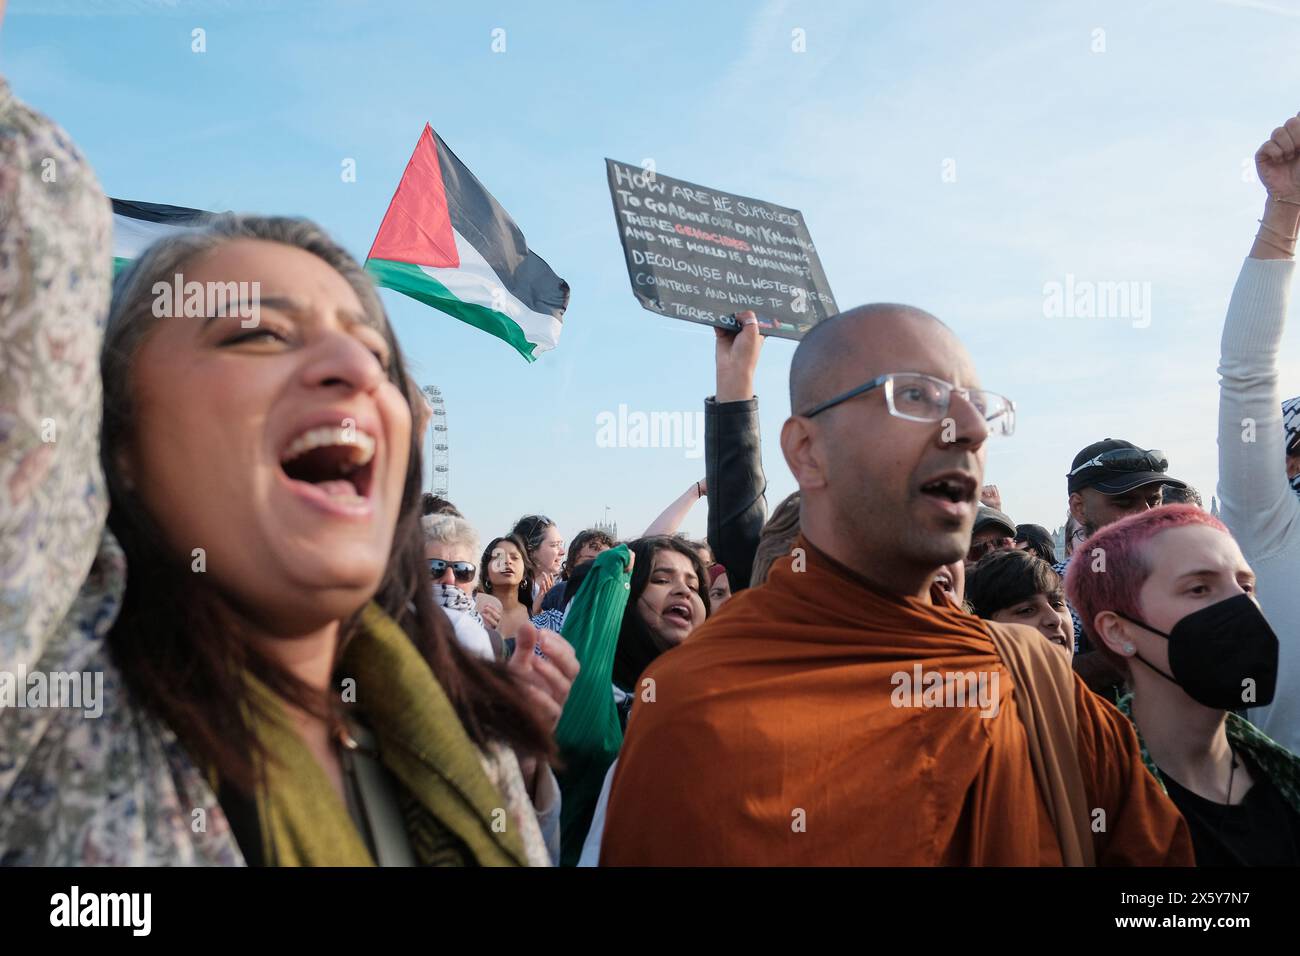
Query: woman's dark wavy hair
[174,639]
[636,648]
[574,582]
[580,541]
[525,585]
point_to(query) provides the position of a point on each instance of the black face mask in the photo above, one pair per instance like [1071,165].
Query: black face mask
[1213,652]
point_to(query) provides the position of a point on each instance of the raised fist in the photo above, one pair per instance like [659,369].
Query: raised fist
[1278,161]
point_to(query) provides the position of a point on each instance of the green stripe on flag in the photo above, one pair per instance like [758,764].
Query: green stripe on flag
[419,285]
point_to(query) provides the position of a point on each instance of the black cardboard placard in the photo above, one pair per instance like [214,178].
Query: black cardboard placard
[703,255]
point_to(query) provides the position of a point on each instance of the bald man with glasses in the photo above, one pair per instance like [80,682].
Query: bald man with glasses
[846,712]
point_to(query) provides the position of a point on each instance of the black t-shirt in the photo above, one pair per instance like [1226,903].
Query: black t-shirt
[1261,830]
[553,600]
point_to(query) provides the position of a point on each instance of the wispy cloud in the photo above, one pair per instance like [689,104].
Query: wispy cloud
[1273,8]
[131,8]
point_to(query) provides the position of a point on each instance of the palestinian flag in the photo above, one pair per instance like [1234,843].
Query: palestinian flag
[447,243]
[138,225]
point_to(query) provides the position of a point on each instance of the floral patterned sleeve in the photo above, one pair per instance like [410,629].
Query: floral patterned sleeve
[55,265]
[89,780]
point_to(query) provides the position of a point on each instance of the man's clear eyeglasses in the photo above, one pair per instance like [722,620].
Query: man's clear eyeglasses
[924,398]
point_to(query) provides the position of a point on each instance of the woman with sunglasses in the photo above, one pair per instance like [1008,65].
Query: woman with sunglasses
[273,664]
[449,543]
[451,548]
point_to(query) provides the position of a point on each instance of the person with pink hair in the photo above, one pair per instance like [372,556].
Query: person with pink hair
[1171,601]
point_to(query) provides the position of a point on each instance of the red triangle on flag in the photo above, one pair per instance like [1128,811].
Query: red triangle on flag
[417,228]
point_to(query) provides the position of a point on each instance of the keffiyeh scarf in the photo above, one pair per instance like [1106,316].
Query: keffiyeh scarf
[1291,422]
[454,599]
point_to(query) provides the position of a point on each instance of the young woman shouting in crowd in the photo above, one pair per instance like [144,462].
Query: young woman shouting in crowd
[276,669]
[667,599]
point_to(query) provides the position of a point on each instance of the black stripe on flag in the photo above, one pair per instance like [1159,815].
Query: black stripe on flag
[482,223]
[158,212]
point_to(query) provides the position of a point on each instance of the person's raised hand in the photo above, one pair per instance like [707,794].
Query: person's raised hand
[489,608]
[736,358]
[990,495]
[547,665]
[545,581]
[1278,162]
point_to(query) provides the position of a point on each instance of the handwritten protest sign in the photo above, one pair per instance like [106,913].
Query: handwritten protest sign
[703,255]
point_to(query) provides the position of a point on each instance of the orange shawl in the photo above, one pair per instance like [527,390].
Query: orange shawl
[775,737]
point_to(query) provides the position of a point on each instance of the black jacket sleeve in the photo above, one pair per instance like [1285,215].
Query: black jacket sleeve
[733,468]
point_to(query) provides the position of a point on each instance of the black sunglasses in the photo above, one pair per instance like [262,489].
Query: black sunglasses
[1126,459]
[536,521]
[463,570]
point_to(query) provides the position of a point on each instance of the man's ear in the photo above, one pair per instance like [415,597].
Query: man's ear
[802,451]
[1113,631]
[1077,509]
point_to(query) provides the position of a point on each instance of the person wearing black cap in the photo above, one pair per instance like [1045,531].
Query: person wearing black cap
[1037,540]
[1109,480]
[993,531]
[1113,479]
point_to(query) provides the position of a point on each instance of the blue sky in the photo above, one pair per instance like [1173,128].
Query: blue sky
[1122,164]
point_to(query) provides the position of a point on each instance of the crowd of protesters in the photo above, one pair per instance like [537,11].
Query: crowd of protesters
[330,667]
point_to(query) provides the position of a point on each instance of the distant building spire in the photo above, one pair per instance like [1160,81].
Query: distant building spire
[1058,543]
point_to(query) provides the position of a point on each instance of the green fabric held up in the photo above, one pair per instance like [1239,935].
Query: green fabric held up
[589,734]
[449,800]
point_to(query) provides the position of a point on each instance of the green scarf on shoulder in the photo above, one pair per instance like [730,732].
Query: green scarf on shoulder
[450,806]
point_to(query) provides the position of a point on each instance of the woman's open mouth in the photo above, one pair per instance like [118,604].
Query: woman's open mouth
[680,612]
[331,467]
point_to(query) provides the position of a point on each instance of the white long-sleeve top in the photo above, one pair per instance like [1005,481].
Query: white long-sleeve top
[1258,505]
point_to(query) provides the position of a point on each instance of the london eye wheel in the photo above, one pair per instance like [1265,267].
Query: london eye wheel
[440,452]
